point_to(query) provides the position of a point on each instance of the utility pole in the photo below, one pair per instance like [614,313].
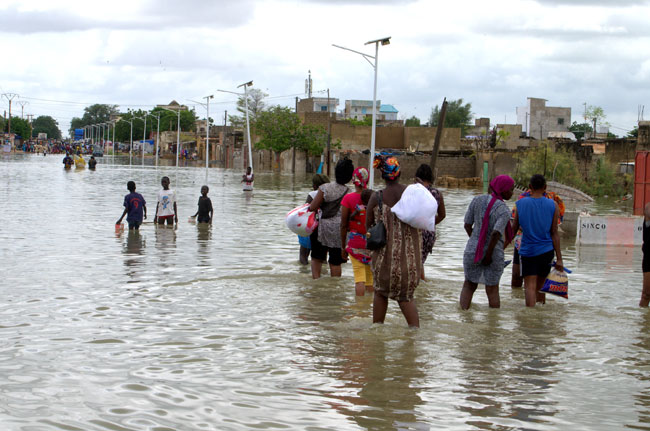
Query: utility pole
[438,138]
[22,104]
[293,158]
[329,132]
[223,141]
[31,129]
[9,97]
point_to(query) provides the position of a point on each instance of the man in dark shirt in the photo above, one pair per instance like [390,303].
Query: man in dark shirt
[134,206]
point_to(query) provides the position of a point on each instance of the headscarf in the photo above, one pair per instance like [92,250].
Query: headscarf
[319,179]
[499,185]
[360,177]
[389,166]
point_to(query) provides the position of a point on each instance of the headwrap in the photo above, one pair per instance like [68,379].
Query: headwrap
[360,177]
[389,167]
[499,185]
[319,179]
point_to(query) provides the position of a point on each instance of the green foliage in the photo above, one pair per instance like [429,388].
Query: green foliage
[579,129]
[457,115]
[256,106]
[412,122]
[168,122]
[93,114]
[634,133]
[21,127]
[280,129]
[46,124]
[367,121]
[562,166]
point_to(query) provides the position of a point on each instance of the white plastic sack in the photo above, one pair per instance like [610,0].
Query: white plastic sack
[417,208]
[301,221]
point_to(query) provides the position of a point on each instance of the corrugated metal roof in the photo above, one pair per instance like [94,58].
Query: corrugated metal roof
[388,108]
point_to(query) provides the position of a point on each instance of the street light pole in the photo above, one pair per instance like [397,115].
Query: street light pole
[178,134]
[368,57]
[248,129]
[207,133]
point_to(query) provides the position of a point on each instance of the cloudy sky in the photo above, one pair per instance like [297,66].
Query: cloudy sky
[63,55]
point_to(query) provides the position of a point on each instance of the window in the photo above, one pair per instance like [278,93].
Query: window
[323,108]
[560,121]
[363,110]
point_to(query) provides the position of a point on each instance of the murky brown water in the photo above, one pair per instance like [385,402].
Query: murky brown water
[222,329]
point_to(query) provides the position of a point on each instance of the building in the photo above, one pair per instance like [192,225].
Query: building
[358,109]
[538,120]
[388,112]
[173,105]
[318,104]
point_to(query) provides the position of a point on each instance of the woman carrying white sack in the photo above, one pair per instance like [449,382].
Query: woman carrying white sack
[417,208]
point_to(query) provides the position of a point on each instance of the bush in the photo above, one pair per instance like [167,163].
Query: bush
[562,166]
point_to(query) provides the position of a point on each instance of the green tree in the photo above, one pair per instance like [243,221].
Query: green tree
[580,129]
[457,115]
[280,129]
[596,115]
[21,127]
[46,124]
[412,122]
[93,114]
[256,105]
[634,133]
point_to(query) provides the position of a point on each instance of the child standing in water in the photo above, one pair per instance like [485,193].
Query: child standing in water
[134,206]
[248,179]
[166,206]
[205,210]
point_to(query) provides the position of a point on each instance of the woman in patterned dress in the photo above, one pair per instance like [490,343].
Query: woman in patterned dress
[396,267]
[487,223]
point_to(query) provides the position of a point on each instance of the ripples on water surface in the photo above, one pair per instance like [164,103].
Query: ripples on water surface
[205,328]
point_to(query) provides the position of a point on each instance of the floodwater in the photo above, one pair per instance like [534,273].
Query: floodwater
[220,328]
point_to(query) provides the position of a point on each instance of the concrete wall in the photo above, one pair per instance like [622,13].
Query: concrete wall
[499,163]
[422,138]
[643,140]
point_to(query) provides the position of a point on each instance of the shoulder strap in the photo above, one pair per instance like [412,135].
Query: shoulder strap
[379,199]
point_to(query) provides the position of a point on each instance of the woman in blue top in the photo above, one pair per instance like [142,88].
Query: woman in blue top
[537,216]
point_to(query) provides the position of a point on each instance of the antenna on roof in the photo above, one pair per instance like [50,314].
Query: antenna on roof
[308,85]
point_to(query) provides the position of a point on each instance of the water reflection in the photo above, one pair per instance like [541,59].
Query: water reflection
[640,370]
[203,239]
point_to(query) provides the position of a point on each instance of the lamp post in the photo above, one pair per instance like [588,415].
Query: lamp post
[206,105]
[178,134]
[131,137]
[248,129]
[144,134]
[368,57]
[157,134]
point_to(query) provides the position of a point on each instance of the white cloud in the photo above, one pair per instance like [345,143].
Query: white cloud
[493,55]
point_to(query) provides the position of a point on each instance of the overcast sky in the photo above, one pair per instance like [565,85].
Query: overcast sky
[63,55]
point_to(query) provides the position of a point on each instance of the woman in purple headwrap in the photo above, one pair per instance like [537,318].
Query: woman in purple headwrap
[396,267]
[487,223]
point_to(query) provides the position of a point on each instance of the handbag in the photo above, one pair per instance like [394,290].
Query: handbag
[377,234]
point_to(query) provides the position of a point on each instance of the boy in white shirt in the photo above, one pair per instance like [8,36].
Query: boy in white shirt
[166,205]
